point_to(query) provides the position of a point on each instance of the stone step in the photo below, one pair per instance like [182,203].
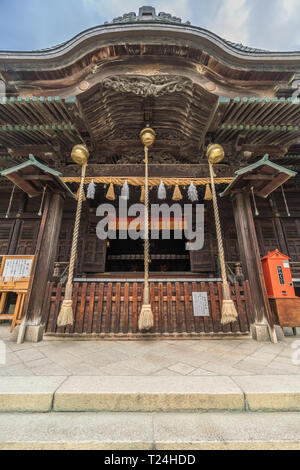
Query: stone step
[150,431]
[150,394]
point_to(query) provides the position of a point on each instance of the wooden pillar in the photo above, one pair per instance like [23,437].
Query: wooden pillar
[250,257]
[13,244]
[45,255]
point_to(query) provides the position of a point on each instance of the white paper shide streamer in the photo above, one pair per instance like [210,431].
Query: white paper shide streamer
[192,193]
[91,190]
[125,191]
[162,193]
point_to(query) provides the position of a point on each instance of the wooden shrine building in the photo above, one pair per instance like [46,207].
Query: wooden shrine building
[101,89]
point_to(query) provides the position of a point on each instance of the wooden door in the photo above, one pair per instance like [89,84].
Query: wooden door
[94,251]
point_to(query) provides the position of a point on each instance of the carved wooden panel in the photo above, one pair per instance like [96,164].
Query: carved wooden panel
[203,261]
[267,235]
[94,251]
[291,228]
[5,234]
[28,237]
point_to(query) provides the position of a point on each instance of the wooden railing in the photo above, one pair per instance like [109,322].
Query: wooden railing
[113,308]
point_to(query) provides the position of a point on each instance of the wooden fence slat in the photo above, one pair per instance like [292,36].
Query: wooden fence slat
[126,309]
[71,328]
[241,309]
[108,322]
[116,319]
[81,311]
[99,311]
[90,312]
[114,308]
[134,327]
[214,313]
[58,301]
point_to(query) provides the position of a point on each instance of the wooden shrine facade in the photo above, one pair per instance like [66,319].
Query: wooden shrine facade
[100,89]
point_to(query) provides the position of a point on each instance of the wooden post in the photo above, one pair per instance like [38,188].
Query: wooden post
[251,261]
[13,243]
[44,256]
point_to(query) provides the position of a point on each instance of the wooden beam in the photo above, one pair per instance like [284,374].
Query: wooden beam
[155,171]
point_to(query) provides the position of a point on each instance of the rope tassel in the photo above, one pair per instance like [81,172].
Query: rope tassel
[91,190]
[208,194]
[111,193]
[177,196]
[162,193]
[125,191]
[192,193]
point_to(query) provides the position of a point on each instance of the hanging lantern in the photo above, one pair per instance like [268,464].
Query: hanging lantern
[192,193]
[91,190]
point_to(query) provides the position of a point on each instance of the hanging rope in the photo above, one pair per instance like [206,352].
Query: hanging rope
[66,313]
[10,202]
[153,182]
[254,201]
[42,202]
[285,202]
[146,317]
[229,313]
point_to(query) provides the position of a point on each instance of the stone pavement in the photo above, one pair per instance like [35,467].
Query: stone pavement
[240,357]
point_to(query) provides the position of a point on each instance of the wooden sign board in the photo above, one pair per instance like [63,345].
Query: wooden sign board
[200,303]
[15,273]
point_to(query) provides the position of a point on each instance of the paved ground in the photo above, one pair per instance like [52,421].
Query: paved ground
[243,357]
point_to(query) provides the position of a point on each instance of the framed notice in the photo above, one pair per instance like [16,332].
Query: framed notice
[15,271]
[200,303]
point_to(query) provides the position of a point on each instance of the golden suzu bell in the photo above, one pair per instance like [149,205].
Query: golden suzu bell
[80,154]
[215,153]
[147,136]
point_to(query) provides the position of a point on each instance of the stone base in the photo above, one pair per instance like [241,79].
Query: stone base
[279,332]
[34,334]
[260,332]
[289,331]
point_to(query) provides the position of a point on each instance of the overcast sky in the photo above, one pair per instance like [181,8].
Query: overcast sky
[36,24]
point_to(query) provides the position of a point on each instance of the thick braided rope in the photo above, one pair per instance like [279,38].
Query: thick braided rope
[146,244]
[218,227]
[76,227]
